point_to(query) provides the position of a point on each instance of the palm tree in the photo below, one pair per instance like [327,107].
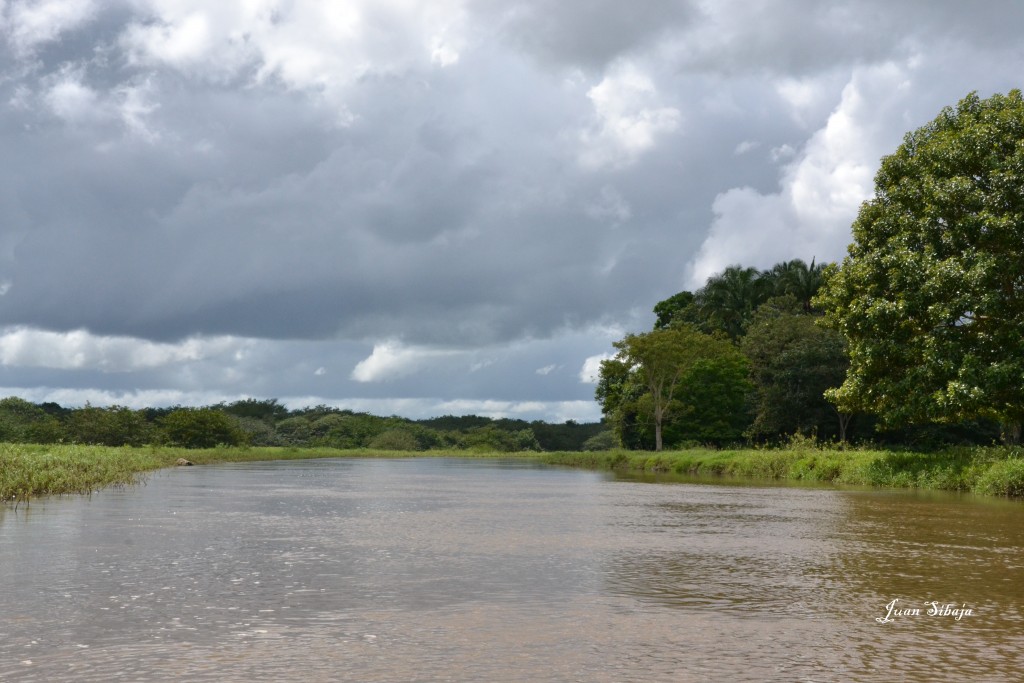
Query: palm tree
[797,279]
[730,298]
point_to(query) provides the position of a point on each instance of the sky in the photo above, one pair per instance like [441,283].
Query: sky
[429,207]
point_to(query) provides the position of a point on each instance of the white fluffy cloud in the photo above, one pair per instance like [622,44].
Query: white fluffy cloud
[322,46]
[32,23]
[78,349]
[391,359]
[630,118]
[821,189]
[591,370]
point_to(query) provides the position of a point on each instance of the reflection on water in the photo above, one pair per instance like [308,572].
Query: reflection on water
[430,570]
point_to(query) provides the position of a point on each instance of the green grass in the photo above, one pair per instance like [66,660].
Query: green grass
[992,471]
[33,470]
[28,470]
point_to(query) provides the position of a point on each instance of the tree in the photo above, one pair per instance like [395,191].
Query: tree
[24,422]
[201,428]
[931,295]
[793,361]
[395,439]
[268,410]
[672,309]
[294,431]
[729,299]
[670,374]
[619,390]
[799,280]
[602,441]
[346,429]
[257,431]
[710,405]
[111,426]
[492,438]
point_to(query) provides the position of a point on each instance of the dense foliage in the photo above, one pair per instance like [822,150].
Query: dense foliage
[675,383]
[793,362]
[767,368]
[741,357]
[727,302]
[931,295]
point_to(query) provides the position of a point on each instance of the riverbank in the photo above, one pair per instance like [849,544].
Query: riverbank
[994,471]
[28,471]
[32,470]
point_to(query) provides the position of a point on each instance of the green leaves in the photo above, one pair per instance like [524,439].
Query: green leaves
[931,296]
[793,362]
[674,384]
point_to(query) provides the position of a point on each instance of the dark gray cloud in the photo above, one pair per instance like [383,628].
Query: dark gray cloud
[429,201]
[584,34]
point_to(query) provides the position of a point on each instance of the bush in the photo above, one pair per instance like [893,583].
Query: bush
[603,441]
[201,428]
[258,432]
[113,426]
[24,422]
[395,440]
[1004,478]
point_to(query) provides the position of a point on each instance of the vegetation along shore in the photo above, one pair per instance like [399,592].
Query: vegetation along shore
[34,470]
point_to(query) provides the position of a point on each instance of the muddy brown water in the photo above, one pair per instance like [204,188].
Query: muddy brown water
[479,570]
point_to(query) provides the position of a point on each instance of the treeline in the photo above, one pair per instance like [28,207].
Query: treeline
[268,423]
[920,332]
[743,360]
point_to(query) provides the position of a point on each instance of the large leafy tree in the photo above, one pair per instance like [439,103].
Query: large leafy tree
[679,378]
[931,295]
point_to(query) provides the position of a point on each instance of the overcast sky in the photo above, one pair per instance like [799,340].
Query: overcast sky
[422,208]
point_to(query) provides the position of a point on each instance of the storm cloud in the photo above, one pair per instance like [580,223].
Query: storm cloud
[428,207]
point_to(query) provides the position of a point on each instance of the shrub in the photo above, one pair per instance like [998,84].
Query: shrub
[1003,478]
[395,440]
[201,428]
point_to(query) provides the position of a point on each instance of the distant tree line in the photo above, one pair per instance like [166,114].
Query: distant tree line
[268,423]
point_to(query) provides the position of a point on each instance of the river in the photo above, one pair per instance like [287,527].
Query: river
[484,570]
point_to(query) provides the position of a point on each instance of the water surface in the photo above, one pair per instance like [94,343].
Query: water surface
[476,570]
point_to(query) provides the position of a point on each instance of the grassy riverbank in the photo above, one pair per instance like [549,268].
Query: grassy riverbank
[35,470]
[27,471]
[990,471]
[30,470]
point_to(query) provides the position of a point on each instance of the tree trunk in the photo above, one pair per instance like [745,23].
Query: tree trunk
[1011,433]
[659,416]
[844,422]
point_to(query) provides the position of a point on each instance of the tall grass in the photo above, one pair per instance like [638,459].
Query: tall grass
[994,471]
[30,470]
[36,470]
